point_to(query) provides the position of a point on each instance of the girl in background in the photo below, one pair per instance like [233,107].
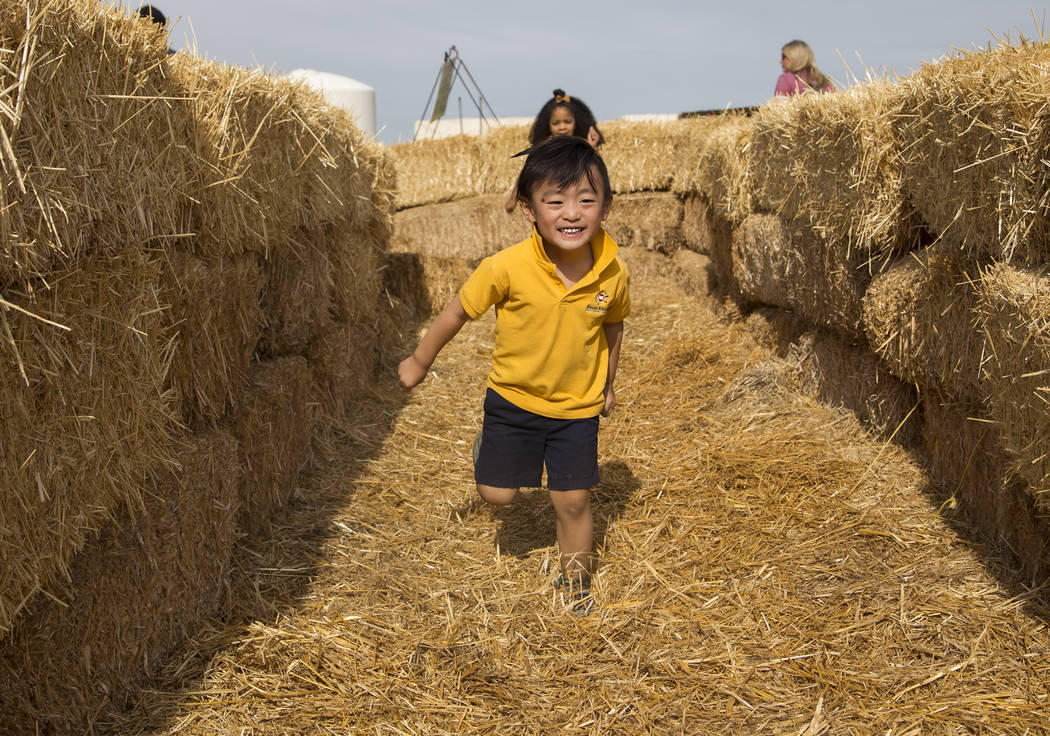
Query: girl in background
[560,115]
[800,71]
[564,115]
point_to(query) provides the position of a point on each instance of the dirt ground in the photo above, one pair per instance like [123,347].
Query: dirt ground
[764,566]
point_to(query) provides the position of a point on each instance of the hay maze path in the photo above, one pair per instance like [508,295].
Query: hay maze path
[765,567]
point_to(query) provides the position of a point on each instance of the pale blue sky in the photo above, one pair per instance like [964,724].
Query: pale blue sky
[660,56]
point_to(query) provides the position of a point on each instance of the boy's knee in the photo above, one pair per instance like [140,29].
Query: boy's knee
[572,505]
[497,496]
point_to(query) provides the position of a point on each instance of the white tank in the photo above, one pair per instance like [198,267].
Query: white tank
[349,94]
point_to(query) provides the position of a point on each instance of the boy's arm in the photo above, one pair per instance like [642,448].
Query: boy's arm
[413,369]
[613,338]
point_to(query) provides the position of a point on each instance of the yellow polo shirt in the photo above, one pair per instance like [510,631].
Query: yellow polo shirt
[551,356]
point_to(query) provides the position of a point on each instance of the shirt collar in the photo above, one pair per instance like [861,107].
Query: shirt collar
[603,248]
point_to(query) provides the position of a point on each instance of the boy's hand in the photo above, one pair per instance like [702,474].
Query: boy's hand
[610,401]
[592,137]
[410,372]
[413,369]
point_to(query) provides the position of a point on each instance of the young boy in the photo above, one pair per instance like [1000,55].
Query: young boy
[561,297]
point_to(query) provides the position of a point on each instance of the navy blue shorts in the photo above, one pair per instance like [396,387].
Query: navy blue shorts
[516,444]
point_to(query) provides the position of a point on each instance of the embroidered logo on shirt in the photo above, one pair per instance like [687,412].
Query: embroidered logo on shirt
[601,302]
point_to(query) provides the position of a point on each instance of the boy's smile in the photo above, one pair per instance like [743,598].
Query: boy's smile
[566,218]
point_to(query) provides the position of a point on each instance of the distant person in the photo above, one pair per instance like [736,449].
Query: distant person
[561,115]
[565,115]
[800,72]
[560,297]
[155,15]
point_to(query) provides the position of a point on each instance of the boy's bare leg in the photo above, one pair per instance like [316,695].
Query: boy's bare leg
[497,496]
[575,531]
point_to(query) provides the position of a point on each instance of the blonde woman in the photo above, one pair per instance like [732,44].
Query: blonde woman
[800,71]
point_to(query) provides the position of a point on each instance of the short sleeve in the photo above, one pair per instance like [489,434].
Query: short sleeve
[787,85]
[485,287]
[620,307]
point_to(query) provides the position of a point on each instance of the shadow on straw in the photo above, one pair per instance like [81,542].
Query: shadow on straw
[528,524]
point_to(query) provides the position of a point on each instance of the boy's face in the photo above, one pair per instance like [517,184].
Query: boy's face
[566,218]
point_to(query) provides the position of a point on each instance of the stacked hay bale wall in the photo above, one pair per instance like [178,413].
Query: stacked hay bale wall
[923,203]
[890,238]
[189,288]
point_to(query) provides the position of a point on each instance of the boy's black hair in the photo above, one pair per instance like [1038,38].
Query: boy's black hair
[148,11]
[564,160]
[582,115]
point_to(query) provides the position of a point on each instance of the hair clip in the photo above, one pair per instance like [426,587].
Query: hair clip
[562,98]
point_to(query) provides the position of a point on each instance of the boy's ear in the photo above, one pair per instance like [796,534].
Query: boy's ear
[606,206]
[526,208]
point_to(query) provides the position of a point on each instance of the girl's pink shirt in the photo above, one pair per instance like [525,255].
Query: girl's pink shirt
[790,83]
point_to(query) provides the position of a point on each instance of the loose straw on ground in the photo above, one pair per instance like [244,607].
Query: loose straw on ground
[764,565]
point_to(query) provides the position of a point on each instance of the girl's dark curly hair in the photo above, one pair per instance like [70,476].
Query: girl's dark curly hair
[541,127]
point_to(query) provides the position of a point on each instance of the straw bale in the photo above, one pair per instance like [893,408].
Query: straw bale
[273,420]
[217,324]
[273,159]
[403,286]
[346,177]
[832,162]
[762,261]
[697,228]
[1015,313]
[848,375]
[343,361]
[246,133]
[423,282]
[721,253]
[695,273]
[136,590]
[354,243]
[469,229]
[968,461]
[719,170]
[441,170]
[499,166]
[646,156]
[85,409]
[353,237]
[974,131]
[459,167]
[921,318]
[777,329]
[91,126]
[298,294]
[357,276]
[650,220]
[788,265]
